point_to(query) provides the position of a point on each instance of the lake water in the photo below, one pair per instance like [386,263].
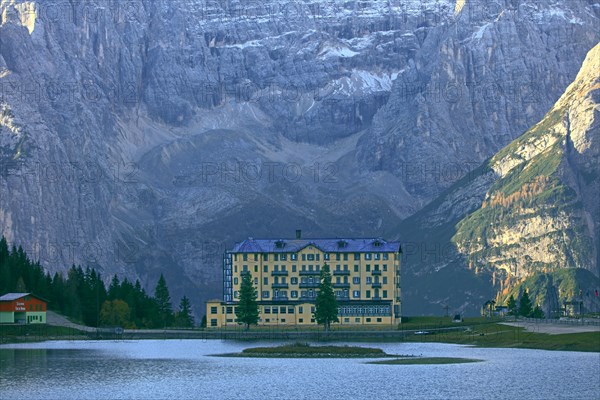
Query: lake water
[184,369]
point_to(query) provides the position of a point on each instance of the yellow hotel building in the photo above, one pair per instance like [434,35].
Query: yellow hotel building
[365,278]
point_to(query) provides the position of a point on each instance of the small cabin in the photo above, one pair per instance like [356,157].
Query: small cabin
[22,308]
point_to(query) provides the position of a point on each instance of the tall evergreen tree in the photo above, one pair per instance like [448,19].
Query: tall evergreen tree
[512,306]
[525,307]
[163,301]
[20,288]
[5,275]
[114,287]
[326,307]
[537,312]
[246,310]
[184,316]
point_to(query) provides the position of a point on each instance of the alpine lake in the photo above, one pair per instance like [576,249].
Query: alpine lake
[193,369]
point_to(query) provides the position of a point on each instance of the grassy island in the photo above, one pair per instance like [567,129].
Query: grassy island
[304,350]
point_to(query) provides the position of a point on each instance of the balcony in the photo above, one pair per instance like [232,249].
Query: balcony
[341,272]
[376,272]
[341,285]
[376,284]
[309,285]
[279,286]
[310,272]
[280,298]
[279,273]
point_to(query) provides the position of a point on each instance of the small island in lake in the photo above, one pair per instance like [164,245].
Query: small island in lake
[304,350]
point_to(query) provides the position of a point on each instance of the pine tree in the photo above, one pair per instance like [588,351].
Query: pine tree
[5,275]
[20,288]
[184,316]
[163,301]
[512,306]
[114,288]
[537,312]
[247,309]
[525,307]
[326,307]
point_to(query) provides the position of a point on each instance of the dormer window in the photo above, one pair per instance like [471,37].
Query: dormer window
[377,243]
[342,244]
[279,244]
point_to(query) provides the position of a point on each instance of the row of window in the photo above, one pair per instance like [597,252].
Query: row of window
[365,310]
[315,280]
[309,294]
[356,280]
[311,268]
[285,310]
[283,294]
[315,257]
[357,320]
[351,310]
[268,309]
[356,294]
[282,320]
[214,321]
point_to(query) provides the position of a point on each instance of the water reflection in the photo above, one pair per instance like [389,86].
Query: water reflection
[185,369]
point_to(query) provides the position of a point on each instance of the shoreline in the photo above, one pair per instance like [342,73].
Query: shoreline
[494,335]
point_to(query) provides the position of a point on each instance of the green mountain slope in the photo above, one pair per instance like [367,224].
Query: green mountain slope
[530,209]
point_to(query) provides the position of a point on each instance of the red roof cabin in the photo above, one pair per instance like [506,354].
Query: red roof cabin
[22,308]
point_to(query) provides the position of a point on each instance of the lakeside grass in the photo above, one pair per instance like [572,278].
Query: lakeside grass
[498,335]
[426,361]
[37,333]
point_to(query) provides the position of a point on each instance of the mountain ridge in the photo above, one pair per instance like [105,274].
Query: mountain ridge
[530,208]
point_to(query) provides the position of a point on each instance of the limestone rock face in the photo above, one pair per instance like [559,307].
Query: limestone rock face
[528,213]
[474,84]
[147,136]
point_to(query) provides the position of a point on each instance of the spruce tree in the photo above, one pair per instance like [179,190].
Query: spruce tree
[525,307]
[537,312]
[163,301]
[114,288]
[184,316]
[246,310]
[20,288]
[326,307]
[512,306]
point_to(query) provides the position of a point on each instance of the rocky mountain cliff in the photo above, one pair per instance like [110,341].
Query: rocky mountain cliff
[148,136]
[530,210]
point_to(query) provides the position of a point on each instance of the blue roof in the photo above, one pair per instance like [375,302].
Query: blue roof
[13,296]
[366,245]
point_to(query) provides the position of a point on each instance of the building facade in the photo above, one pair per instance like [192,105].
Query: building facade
[22,308]
[365,278]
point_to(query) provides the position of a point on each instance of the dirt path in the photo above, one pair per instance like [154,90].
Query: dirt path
[554,329]
[53,318]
